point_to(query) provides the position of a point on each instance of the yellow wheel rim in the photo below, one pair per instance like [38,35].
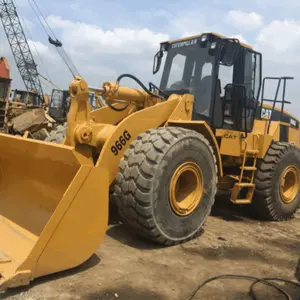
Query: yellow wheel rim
[186,188]
[289,184]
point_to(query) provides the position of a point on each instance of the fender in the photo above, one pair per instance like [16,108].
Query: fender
[127,131]
[203,128]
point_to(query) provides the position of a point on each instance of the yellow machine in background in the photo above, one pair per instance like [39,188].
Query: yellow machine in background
[161,151]
[59,108]
[20,110]
[26,114]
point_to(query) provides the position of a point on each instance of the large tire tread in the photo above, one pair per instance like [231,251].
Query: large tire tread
[132,188]
[264,203]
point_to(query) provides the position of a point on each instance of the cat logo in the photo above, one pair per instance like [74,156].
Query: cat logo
[266,113]
[185,43]
[230,136]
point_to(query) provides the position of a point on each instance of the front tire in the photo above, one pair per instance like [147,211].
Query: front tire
[277,181]
[167,184]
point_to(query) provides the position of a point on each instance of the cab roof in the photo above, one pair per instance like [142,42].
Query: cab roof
[208,33]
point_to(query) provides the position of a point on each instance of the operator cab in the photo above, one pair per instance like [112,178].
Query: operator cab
[27,98]
[59,105]
[223,74]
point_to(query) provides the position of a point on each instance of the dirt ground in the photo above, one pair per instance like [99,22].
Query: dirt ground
[125,267]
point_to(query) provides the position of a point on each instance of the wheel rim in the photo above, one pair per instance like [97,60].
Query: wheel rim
[289,184]
[186,188]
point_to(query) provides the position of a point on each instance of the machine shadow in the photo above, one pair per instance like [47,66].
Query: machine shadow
[90,263]
[229,211]
[222,208]
[121,233]
[124,235]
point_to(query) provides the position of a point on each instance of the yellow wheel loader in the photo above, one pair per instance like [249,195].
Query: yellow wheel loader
[159,153]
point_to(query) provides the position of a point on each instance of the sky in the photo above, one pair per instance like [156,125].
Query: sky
[106,38]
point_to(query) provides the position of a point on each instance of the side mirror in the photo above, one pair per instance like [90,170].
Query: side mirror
[230,53]
[157,61]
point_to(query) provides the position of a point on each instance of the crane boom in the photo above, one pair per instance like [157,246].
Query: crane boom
[20,47]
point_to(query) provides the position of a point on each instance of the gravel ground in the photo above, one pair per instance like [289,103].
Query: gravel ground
[126,267]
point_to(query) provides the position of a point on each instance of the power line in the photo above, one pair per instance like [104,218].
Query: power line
[53,39]
[255,280]
[49,80]
[44,18]
[65,61]
[71,62]
[35,12]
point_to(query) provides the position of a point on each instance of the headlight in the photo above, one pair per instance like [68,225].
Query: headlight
[203,38]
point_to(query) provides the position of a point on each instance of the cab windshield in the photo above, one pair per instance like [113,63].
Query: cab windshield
[33,99]
[20,97]
[57,99]
[188,69]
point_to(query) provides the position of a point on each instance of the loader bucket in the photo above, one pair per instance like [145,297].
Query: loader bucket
[53,209]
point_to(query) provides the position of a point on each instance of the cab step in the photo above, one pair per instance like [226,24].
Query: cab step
[249,168]
[242,201]
[242,193]
[244,184]
[253,152]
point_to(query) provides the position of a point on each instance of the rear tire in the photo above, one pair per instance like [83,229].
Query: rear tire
[57,135]
[142,191]
[272,200]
